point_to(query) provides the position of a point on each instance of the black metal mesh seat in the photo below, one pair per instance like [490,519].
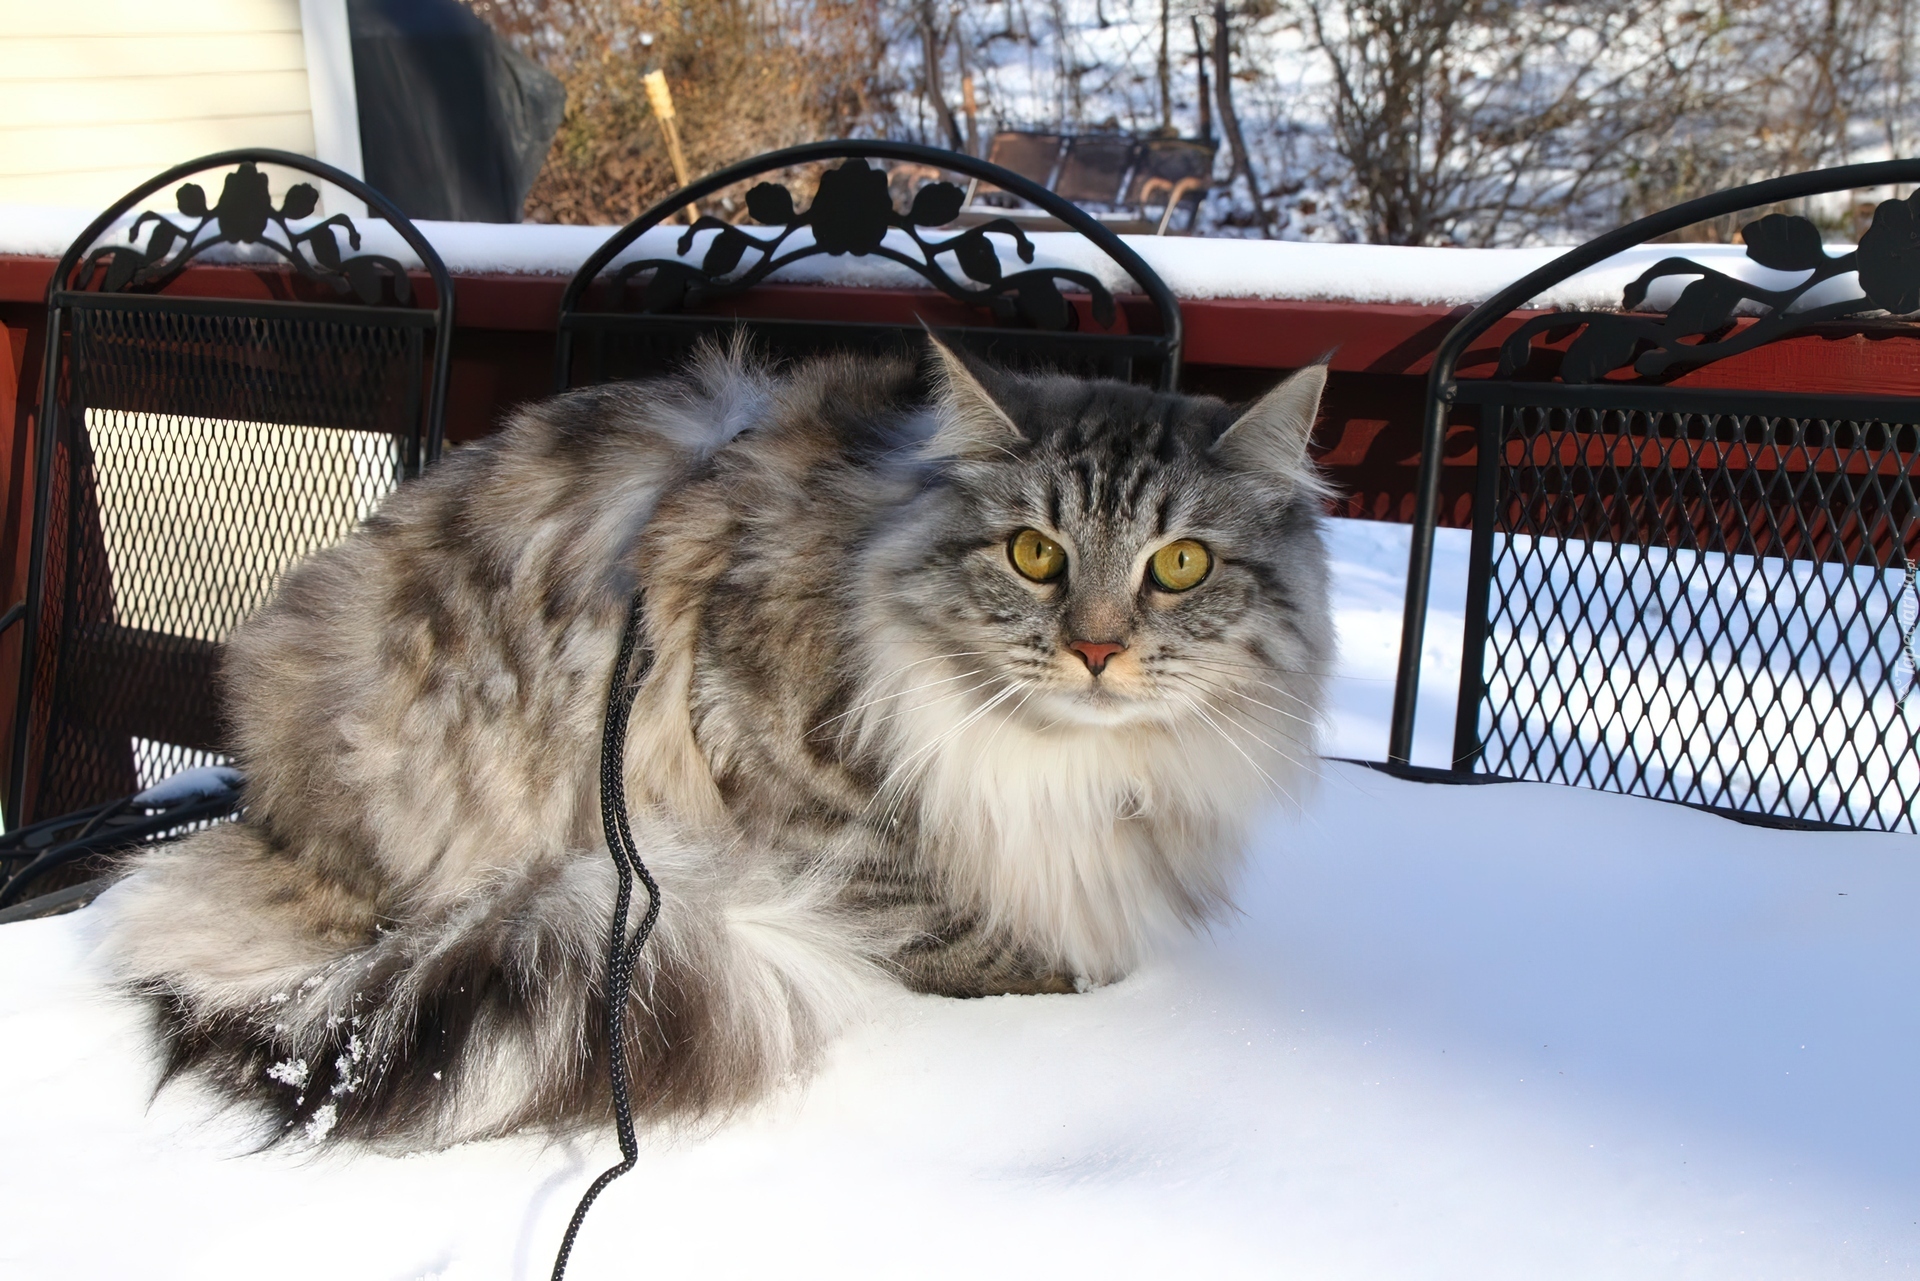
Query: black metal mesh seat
[626,317]
[198,443]
[1688,592]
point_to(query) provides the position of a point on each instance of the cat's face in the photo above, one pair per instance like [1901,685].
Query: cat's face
[1097,553]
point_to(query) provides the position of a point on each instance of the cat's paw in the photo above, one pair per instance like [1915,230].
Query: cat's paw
[1030,983]
[1056,982]
[1051,983]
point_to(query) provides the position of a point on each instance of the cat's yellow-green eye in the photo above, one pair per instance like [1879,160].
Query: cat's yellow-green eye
[1036,556]
[1180,565]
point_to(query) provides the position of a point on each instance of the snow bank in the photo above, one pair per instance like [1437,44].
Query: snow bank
[1510,1031]
[1192,267]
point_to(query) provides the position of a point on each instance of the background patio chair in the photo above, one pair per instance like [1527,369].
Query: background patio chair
[201,429]
[1034,156]
[638,309]
[1170,172]
[1697,593]
[1120,179]
[1095,168]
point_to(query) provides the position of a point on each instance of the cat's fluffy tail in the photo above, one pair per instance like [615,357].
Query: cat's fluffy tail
[426,1024]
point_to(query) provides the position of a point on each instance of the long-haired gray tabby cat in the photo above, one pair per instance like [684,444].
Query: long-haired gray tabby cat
[975,696]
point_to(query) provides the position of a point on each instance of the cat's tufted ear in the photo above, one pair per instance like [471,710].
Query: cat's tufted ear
[971,423]
[1272,436]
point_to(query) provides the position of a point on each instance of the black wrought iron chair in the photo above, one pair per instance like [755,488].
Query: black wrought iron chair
[629,314]
[624,316]
[1688,592]
[195,442]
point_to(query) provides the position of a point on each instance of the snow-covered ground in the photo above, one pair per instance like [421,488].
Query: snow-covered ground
[1478,1032]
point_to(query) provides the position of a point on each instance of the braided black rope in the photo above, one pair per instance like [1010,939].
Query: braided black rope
[623,950]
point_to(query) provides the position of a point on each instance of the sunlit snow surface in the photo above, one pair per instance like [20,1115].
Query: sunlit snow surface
[1478,1032]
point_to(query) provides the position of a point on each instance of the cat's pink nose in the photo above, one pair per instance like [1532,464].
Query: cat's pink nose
[1095,653]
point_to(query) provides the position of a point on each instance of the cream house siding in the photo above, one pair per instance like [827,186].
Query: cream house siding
[98,95]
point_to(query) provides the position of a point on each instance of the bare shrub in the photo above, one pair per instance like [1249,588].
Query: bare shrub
[1477,121]
[1496,121]
[1400,121]
[748,76]
[1806,83]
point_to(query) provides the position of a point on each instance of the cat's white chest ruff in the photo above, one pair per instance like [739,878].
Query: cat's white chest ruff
[1086,843]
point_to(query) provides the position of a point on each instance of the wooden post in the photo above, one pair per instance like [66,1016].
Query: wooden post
[661,97]
[972,107]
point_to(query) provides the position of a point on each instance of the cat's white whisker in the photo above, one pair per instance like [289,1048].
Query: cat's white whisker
[1276,784]
[1275,748]
[1312,769]
[1032,688]
[1218,704]
[1251,672]
[891,695]
[1241,694]
[944,696]
[922,662]
[908,762]
[961,726]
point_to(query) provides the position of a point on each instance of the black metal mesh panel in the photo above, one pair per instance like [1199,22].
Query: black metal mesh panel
[359,369]
[203,455]
[1715,608]
[621,346]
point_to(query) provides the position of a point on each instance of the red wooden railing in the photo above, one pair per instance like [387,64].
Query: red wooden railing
[1367,442]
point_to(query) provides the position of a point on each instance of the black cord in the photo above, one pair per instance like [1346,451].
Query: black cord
[623,950]
[114,810]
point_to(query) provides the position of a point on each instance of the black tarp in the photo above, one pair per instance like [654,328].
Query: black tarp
[454,122]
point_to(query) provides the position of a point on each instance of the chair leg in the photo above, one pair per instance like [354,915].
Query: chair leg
[1181,190]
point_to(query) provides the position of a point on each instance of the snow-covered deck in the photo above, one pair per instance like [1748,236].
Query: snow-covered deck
[1478,1032]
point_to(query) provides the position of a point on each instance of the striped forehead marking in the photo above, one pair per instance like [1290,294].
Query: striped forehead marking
[1111,472]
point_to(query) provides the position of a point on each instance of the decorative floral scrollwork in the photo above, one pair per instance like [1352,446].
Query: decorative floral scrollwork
[243,216]
[852,214]
[1886,261]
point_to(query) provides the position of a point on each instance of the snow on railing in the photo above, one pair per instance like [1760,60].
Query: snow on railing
[1194,268]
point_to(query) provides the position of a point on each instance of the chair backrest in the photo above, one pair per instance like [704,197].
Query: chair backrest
[1094,170]
[202,430]
[629,317]
[1697,593]
[1034,156]
[1168,162]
